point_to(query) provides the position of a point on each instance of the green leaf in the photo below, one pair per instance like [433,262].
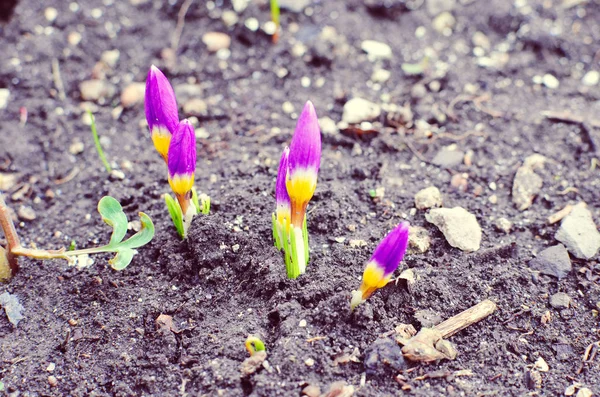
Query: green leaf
[415,69]
[176,214]
[112,213]
[122,259]
[195,200]
[143,237]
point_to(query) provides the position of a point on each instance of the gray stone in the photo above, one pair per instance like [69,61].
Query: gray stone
[428,198]
[459,226]
[447,158]
[428,318]
[553,261]
[578,233]
[527,183]
[560,300]
[357,110]
[418,240]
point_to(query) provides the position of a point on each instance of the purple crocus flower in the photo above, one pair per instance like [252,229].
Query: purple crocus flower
[303,164]
[161,110]
[182,163]
[385,260]
[282,198]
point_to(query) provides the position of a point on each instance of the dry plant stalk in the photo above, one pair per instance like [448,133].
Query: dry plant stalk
[429,343]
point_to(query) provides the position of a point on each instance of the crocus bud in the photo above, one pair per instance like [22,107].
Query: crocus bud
[282,197]
[161,110]
[303,164]
[182,163]
[385,260]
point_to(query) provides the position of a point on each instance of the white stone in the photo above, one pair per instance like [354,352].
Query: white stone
[229,18]
[215,41]
[357,110]
[435,7]
[591,78]
[133,94]
[110,57]
[578,233]
[287,107]
[460,227]
[376,50]
[4,94]
[428,198]
[444,23]
[328,126]
[380,76]
[550,81]
[240,5]
[93,90]
[50,13]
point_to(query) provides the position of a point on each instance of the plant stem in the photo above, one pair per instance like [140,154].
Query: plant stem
[97,143]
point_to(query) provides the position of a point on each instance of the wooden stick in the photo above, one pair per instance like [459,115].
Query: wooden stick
[468,317]
[12,238]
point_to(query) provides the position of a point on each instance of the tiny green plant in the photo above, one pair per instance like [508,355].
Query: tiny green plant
[97,142]
[275,18]
[175,141]
[254,344]
[111,212]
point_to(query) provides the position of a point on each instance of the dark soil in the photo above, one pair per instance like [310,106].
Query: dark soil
[98,326]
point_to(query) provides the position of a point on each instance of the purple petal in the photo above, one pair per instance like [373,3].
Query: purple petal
[305,148]
[390,252]
[160,102]
[182,150]
[281,194]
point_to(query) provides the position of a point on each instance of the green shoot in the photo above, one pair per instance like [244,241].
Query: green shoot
[201,202]
[97,142]
[176,214]
[182,222]
[254,344]
[415,69]
[112,213]
[275,18]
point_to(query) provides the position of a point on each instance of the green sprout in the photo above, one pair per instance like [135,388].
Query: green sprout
[254,344]
[111,212]
[415,69]
[275,18]
[182,222]
[97,143]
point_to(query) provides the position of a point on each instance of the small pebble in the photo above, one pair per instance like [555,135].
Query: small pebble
[52,381]
[73,322]
[287,107]
[195,107]
[76,147]
[74,38]
[4,94]
[357,110]
[215,41]
[376,50]
[309,362]
[560,300]
[380,76]
[503,225]
[51,367]
[550,81]
[591,78]
[110,57]
[444,23]
[302,323]
[50,13]
[428,198]
[541,365]
[133,94]
[26,213]
[117,174]
[229,18]
[584,392]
